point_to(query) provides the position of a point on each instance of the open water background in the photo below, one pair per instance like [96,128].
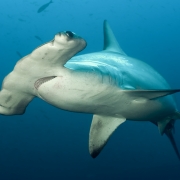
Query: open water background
[47,143]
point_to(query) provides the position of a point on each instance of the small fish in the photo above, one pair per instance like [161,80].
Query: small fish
[37,37]
[19,54]
[43,7]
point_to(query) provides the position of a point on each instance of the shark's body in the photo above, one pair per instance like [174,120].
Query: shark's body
[109,84]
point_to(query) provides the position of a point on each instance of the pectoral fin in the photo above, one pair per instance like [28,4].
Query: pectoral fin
[152,94]
[101,129]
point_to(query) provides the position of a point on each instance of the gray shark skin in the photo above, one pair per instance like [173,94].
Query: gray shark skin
[108,84]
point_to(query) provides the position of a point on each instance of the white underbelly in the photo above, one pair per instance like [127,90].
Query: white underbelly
[101,98]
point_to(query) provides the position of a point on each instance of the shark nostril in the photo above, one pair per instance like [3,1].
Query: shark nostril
[70,34]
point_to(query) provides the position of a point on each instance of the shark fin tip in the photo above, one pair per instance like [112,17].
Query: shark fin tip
[94,154]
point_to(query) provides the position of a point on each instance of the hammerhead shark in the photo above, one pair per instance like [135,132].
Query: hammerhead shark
[108,84]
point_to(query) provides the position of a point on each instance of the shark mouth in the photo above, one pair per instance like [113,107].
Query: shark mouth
[41,81]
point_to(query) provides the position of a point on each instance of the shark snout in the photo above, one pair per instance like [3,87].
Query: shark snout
[69,40]
[70,34]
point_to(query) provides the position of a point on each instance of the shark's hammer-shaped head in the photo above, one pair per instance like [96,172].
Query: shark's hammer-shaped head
[18,87]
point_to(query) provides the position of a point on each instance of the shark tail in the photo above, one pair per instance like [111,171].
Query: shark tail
[167,127]
[169,134]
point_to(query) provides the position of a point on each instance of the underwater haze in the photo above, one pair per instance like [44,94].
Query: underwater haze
[46,143]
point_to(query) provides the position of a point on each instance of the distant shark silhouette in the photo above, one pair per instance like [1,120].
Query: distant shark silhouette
[109,84]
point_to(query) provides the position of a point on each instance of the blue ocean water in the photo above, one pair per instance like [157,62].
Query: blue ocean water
[47,143]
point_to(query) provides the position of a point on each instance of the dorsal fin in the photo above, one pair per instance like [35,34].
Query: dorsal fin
[110,42]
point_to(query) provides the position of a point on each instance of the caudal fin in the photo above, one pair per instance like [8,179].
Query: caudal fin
[169,134]
[168,130]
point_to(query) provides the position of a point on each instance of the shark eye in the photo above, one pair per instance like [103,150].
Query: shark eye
[70,34]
